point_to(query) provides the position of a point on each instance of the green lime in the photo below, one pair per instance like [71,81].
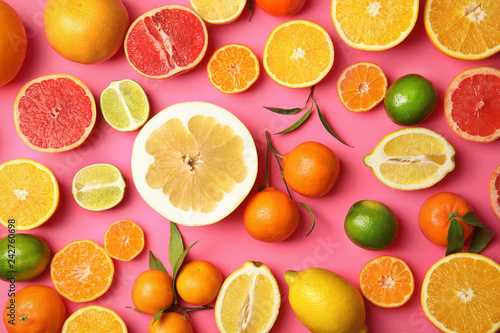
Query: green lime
[371,225]
[410,99]
[22,257]
[124,105]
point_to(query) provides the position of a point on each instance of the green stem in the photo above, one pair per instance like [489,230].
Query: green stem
[270,146]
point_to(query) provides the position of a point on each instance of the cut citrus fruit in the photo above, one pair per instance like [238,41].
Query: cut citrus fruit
[471,104]
[361,86]
[166,41]
[387,282]
[94,318]
[411,158]
[233,68]
[461,293]
[29,194]
[124,240]
[495,191]
[298,54]
[54,113]
[124,105]
[374,25]
[98,186]
[463,29]
[218,11]
[249,300]
[82,271]
[194,163]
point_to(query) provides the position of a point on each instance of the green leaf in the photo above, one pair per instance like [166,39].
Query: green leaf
[284,111]
[157,316]
[176,267]
[175,244]
[455,237]
[480,239]
[155,263]
[297,123]
[310,213]
[327,127]
[471,218]
[250,8]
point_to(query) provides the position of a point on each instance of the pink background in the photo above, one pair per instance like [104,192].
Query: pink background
[226,243]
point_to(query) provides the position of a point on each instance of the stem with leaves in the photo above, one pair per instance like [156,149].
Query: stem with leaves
[481,237]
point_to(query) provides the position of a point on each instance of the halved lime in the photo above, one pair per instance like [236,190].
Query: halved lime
[124,105]
[98,186]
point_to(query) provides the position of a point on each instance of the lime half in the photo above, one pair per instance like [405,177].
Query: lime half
[98,186]
[124,105]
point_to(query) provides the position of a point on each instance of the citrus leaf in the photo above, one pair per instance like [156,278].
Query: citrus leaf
[155,263]
[297,123]
[471,218]
[455,237]
[250,8]
[157,316]
[177,265]
[284,111]
[326,126]
[480,239]
[310,213]
[175,244]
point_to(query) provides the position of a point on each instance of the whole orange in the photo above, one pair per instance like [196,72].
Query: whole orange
[85,31]
[436,213]
[280,7]
[170,322]
[152,291]
[270,216]
[12,43]
[198,282]
[311,169]
[34,309]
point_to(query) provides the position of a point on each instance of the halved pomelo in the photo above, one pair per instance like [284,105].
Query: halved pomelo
[54,113]
[472,104]
[194,163]
[166,41]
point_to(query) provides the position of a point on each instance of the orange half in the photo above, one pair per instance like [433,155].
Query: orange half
[94,318]
[124,240]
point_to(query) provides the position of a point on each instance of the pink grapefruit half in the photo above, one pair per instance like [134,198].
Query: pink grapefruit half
[54,113]
[166,41]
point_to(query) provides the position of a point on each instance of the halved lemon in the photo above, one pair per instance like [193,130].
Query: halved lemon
[218,11]
[94,318]
[194,163]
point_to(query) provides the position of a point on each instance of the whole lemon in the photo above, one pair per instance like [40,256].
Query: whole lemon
[325,302]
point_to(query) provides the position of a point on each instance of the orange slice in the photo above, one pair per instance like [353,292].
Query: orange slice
[94,318]
[495,191]
[461,293]
[233,68]
[298,54]
[124,240]
[471,104]
[361,86]
[82,271]
[387,282]
[374,25]
[463,29]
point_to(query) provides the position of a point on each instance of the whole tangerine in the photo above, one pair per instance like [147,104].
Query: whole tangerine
[280,7]
[198,282]
[170,322]
[152,291]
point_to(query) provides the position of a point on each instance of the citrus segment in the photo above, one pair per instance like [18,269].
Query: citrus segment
[374,24]
[461,293]
[463,29]
[361,86]
[124,240]
[124,105]
[54,113]
[166,41]
[94,318]
[249,299]
[233,68]
[82,271]
[495,191]
[411,159]
[387,281]
[194,163]
[29,194]
[98,186]
[471,104]
[218,11]
[298,54]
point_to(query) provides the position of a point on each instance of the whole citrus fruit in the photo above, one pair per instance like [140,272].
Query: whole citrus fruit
[436,213]
[325,302]
[311,169]
[85,31]
[270,216]
[198,282]
[280,7]
[12,43]
[410,99]
[371,225]
[34,309]
[170,322]
[152,291]
[25,254]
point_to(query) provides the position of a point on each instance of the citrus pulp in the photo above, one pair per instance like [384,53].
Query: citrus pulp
[124,240]
[94,318]
[218,11]
[495,191]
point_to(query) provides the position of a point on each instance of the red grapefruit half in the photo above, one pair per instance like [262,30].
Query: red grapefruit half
[472,104]
[166,41]
[495,191]
[54,113]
